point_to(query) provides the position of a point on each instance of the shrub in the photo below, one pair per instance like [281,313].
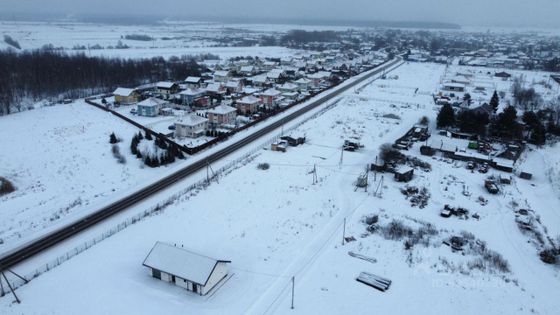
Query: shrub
[263,166]
[389,154]
[117,154]
[548,256]
[6,186]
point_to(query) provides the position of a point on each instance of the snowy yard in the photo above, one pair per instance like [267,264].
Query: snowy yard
[274,224]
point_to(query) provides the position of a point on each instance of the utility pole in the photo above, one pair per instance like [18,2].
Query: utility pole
[293,290]
[343,231]
[341,157]
[314,174]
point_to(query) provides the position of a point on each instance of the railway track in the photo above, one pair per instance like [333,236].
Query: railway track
[12,258]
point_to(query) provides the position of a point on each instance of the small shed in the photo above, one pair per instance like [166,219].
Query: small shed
[404,174]
[526,175]
[186,269]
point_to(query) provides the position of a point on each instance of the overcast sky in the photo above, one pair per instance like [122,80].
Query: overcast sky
[538,13]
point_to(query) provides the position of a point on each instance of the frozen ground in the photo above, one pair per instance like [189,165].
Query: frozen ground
[59,158]
[276,224]
[169,39]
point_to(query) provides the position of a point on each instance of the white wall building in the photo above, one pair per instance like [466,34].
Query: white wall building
[189,270]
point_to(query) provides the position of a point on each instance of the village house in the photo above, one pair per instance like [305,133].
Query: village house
[150,107]
[270,97]
[303,84]
[221,76]
[260,80]
[288,87]
[194,97]
[125,96]
[234,86]
[248,104]
[166,89]
[247,70]
[193,82]
[222,115]
[191,126]
[195,272]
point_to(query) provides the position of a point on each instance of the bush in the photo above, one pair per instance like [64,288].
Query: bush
[263,166]
[117,154]
[389,154]
[548,256]
[6,186]
[424,120]
[113,138]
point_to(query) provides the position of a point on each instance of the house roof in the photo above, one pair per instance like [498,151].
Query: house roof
[165,85]
[249,100]
[191,120]
[181,263]
[271,92]
[247,69]
[124,91]
[193,92]
[222,109]
[152,101]
[192,80]
[221,73]
[214,87]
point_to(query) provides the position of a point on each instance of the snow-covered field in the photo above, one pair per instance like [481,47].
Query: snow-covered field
[274,224]
[60,160]
[169,39]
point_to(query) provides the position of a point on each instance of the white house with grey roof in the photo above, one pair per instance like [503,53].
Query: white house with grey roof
[186,269]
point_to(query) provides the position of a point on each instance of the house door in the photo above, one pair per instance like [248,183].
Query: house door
[195,288]
[156,274]
[173,279]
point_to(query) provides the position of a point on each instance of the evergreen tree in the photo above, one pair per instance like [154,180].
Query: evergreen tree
[134,145]
[113,138]
[149,135]
[446,117]
[140,136]
[467,99]
[495,102]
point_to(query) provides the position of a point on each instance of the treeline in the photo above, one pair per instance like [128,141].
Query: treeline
[303,37]
[43,74]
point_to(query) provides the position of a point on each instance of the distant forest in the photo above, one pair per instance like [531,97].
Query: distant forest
[43,74]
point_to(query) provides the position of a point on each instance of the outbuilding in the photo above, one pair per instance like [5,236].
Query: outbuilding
[404,174]
[186,269]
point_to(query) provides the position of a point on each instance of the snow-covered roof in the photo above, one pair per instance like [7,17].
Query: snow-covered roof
[271,92]
[123,91]
[152,101]
[165,85]
[191,120]
[232,84]
[193,92]
[221,73]
[249,100]
[222,109]
[247,69]
[214,87]
[303,81]
[181,263]
[192,80]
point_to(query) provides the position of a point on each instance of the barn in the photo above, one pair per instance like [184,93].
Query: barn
[186,269]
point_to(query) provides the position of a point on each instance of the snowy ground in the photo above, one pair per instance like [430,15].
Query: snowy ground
[59,158]
[276,224]
[169,39]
